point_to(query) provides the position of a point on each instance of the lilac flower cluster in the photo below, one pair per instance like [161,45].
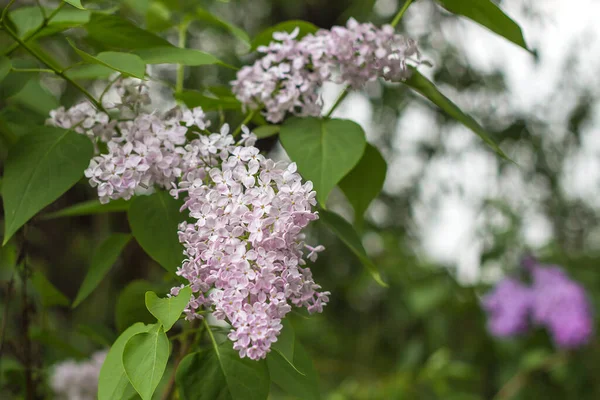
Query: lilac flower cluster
[288,77]
[71,380]
[553,301]
[244,250]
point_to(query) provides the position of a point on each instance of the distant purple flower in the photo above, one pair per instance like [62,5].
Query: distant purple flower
[508,307]
[553,301]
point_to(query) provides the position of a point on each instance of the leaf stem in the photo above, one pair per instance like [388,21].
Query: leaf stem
[400,14]
[338,101]
[244,122]
[183,27]
[5,10]
[32,70]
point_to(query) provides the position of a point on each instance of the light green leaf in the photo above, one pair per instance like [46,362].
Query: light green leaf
[205,16]
[348,235]
[168,310]
[488,14]
[104,257]
[50,295]
[193,98]
[131,307]
[176,55]
[145,358]
[425,87]
[365,181]
[28,19]
[119,33]
[40,167]
[89,208]
[158,17]
[220,373]
[266,36]
[325,150]
[90,71]
[266,131]
[125,63]
[75,3]
[154,220]
[304,386]
[5,66]
[113,382]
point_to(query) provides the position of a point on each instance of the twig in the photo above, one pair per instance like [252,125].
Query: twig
[244,122]
[183,27]
[9,291]
[400,14]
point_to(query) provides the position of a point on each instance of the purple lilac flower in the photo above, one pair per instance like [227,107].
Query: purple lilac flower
[508,307]
[72,380]
[288,77]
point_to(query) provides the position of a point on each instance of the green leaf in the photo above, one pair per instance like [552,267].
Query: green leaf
[57,342]
[5,66]
[325,150]
[365,181]
[168,310]
[154,220]
[282,351]
[125,63]
[158,17]
[220,373]
[118,33]
[193,98]
[14,82]
[113,382]
[304,386]
[50,295]
[28,19]
[145,358]
[131,307]
[266,36]
[75,3]
[90,71]
[488,14]
[425,87]
[36,97]
[97,333]
[89,208]
[176,55]
[266,131]
[40,167]
[104,257]
[205,16]
[348,235]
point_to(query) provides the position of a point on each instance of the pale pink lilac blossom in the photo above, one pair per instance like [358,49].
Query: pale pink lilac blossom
[287,79]
[72,380]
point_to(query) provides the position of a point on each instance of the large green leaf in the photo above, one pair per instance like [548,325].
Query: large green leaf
[348,235]
[113,382]
[75,3]
[145,358]
[303,386]
[5,66]
[220,373]
[488,14]
[325,150]
[89,208]
[211,19]
[425,87]
[266,36]
[118,33]
[125,63]
[104,257]
[28,19]
[176,55]
[193,98]
[282,351]
[266,131]
[49,294]
[131,306]
[365,181]
[90,71]
[154,220]
[35,97]
[168,310]
[40,167]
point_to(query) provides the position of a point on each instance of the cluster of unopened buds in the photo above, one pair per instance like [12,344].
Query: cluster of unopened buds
[552,300]
[288,78]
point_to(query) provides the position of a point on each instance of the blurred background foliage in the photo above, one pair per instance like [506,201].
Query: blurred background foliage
[425,336]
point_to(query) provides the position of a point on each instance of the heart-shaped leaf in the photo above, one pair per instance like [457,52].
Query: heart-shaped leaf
[168,310]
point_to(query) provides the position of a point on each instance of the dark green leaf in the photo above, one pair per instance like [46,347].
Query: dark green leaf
[40,167]
[488,14]
[158,17]
[89,208]
[75,3]
[145,358]
[154,220]
[119,33]
[348,235]
[98,333]
[125,63]
[266,131]
[5,66]
[14,82]
[220,373]
[36,98]
[325,150]
[168,310]
[90,71]
[205,16]
[113,382]
[282,351]
[50,295]
[131,307]
[365,181]
[176,55]
[303,386]
[266,36]
[425,87]
[28,19]
[57,342]
[104,257]
[192,99]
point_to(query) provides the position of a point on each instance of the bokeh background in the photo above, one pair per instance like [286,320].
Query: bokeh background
[451,221]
